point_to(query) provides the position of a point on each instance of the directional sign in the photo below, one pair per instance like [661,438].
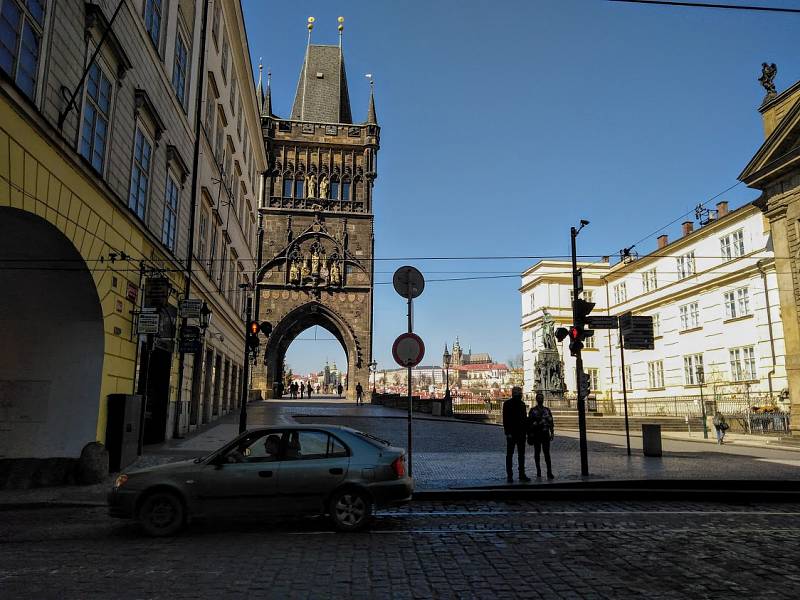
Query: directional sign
[147,323]
[637,332]
[408,282]
[190,342]
[190,308]
[602,322]
[156,292]
[408,350]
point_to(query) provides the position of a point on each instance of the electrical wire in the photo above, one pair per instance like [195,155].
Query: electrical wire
[711,5]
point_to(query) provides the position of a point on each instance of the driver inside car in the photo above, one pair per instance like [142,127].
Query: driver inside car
[272,446]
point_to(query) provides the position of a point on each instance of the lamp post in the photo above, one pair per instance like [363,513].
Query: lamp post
[701,381]
[373,367]
[446,361]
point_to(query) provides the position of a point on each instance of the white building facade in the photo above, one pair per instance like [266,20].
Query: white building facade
[714,301]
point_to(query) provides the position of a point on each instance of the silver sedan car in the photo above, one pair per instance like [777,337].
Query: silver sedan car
[292,470]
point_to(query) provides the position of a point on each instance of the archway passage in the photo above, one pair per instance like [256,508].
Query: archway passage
[52,341]
[297,321]
[316,358]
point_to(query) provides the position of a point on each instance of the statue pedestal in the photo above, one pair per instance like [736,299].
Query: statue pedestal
[549,375]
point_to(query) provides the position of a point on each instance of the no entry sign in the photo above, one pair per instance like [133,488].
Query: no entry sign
[408,350]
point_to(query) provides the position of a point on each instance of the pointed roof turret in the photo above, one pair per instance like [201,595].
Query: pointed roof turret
[322,94]
[372,118]
[267,104]
[260,89]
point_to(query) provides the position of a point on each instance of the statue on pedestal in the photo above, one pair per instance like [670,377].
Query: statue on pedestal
[323,187]
[315,261]
[294,272]
[335,277]
[548,368]
[311,186]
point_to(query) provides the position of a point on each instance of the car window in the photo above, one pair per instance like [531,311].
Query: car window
[310,445]
[258,447]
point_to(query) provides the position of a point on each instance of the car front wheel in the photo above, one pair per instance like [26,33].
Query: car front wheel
[161,514]
[350,510]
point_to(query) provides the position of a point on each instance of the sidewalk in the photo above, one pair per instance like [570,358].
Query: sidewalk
[451,454]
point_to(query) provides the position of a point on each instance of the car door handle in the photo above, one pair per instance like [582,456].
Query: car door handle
[265,473]
[336,471]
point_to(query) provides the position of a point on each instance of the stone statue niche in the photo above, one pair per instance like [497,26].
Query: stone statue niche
[548,367]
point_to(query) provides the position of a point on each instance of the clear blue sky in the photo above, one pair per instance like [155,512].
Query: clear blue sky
[504,123]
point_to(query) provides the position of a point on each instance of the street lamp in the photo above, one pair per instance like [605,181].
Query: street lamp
[373,367]
[701,381]
[205,317]
[446,361]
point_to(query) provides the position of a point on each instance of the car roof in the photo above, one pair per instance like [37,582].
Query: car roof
[330,428]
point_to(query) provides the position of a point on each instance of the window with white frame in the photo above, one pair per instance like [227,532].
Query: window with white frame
[655,374]
[649,280]
[210,106]
[743,363]
[21,30]
[140,173]
[693,369]
[656,324]
[732,245]
[587,295]
[737,303]
[589,343]
[690,316]
[686,266]
[222,263]
[620,293]
[212,250]
[171,201]
[219,139]
[594,379]
[96,116]
[180,69]
[152,19]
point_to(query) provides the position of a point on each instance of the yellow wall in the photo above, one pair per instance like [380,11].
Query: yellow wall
[35,176]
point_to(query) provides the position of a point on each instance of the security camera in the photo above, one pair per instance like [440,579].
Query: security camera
[584,222]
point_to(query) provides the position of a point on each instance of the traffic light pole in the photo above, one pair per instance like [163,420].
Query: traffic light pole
[624,390]
[245,366]
[579,362]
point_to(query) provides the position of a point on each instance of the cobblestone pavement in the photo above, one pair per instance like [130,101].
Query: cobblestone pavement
[426,550]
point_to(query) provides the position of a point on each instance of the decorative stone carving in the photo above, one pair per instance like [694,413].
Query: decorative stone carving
[323,187]
[335,277]
[294,272]
[311,186]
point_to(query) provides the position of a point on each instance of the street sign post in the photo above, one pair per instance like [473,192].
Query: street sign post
[637,332]
[602,322]
[147,323]
[190,308]
[409,283]
[190,340]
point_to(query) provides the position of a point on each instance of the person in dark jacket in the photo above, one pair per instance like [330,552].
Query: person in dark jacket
[541,433]
[515,425]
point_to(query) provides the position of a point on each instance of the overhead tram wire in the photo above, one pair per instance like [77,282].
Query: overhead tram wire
[712,5]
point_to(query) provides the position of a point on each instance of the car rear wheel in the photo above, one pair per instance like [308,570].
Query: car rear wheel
[350,510]
[161,514]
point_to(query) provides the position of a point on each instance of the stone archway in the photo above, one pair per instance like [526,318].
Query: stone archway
[52,351]
[297,321]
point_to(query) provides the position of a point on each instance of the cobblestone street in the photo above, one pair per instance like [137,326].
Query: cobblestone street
[426,550]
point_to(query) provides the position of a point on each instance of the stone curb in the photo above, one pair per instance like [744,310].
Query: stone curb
[7,506]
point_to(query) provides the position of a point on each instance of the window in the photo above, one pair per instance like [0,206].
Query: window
[628,378]
[737,303]
[686,266]
[223,260]
[313,445]
[732,245]
[587,295]
[690,316]
[210,104]
[588,343]
[620,293]
[152,19]
[288,184]
[96,113]
[743,363]
[224,57]
[345,191]
[21,26]
[298,188]
[693,369]
[215,22]
[655,374]
[649,281]
[218,140]
[239,123]
[334,191]
[656,325]
[172,197]
[594,379]
[201,237]
[140,173]
[231,291]
[212,251]
[179,69]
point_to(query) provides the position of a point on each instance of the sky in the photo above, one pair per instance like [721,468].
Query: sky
[505,123]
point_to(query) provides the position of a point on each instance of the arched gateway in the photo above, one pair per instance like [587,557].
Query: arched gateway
[318,243]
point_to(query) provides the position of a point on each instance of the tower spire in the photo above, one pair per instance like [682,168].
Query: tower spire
[260,88]
[267,103]
[372,117]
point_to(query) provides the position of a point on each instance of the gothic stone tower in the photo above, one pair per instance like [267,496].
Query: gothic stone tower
[317,243]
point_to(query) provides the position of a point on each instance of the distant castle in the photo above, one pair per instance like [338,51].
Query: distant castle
[459,359]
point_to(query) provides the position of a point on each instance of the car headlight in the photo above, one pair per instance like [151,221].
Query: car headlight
[121,480]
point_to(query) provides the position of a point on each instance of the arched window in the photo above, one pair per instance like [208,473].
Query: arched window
[288,184]
[334,191]
[345,190]
[298,187]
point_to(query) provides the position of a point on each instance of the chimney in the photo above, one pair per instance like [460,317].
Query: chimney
[688,226]
[662,241]
[722,209]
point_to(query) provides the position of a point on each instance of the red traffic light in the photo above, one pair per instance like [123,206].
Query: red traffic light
[574,333]
[253,328]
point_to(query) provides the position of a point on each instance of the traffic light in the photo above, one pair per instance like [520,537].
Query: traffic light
[584,385]
[581,308]
[578,332]
[561,333]
[265,328]
[575,343]
[252,335]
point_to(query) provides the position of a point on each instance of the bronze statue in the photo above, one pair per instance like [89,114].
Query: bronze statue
[548,334]
[768,72]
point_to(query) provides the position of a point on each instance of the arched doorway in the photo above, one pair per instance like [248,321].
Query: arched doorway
[51,355]
[317,358]
[301,319]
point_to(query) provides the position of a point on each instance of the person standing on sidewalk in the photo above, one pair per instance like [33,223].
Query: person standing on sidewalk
[359,393]
[302,388]
[515,425]
[541,433]
[721,425]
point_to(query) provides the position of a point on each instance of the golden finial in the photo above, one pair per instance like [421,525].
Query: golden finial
[310,23]
[341,24]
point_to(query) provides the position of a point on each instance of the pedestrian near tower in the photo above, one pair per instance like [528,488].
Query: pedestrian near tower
[515,425]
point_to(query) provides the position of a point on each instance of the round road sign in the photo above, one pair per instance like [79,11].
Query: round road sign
[408,282]
[408,350]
